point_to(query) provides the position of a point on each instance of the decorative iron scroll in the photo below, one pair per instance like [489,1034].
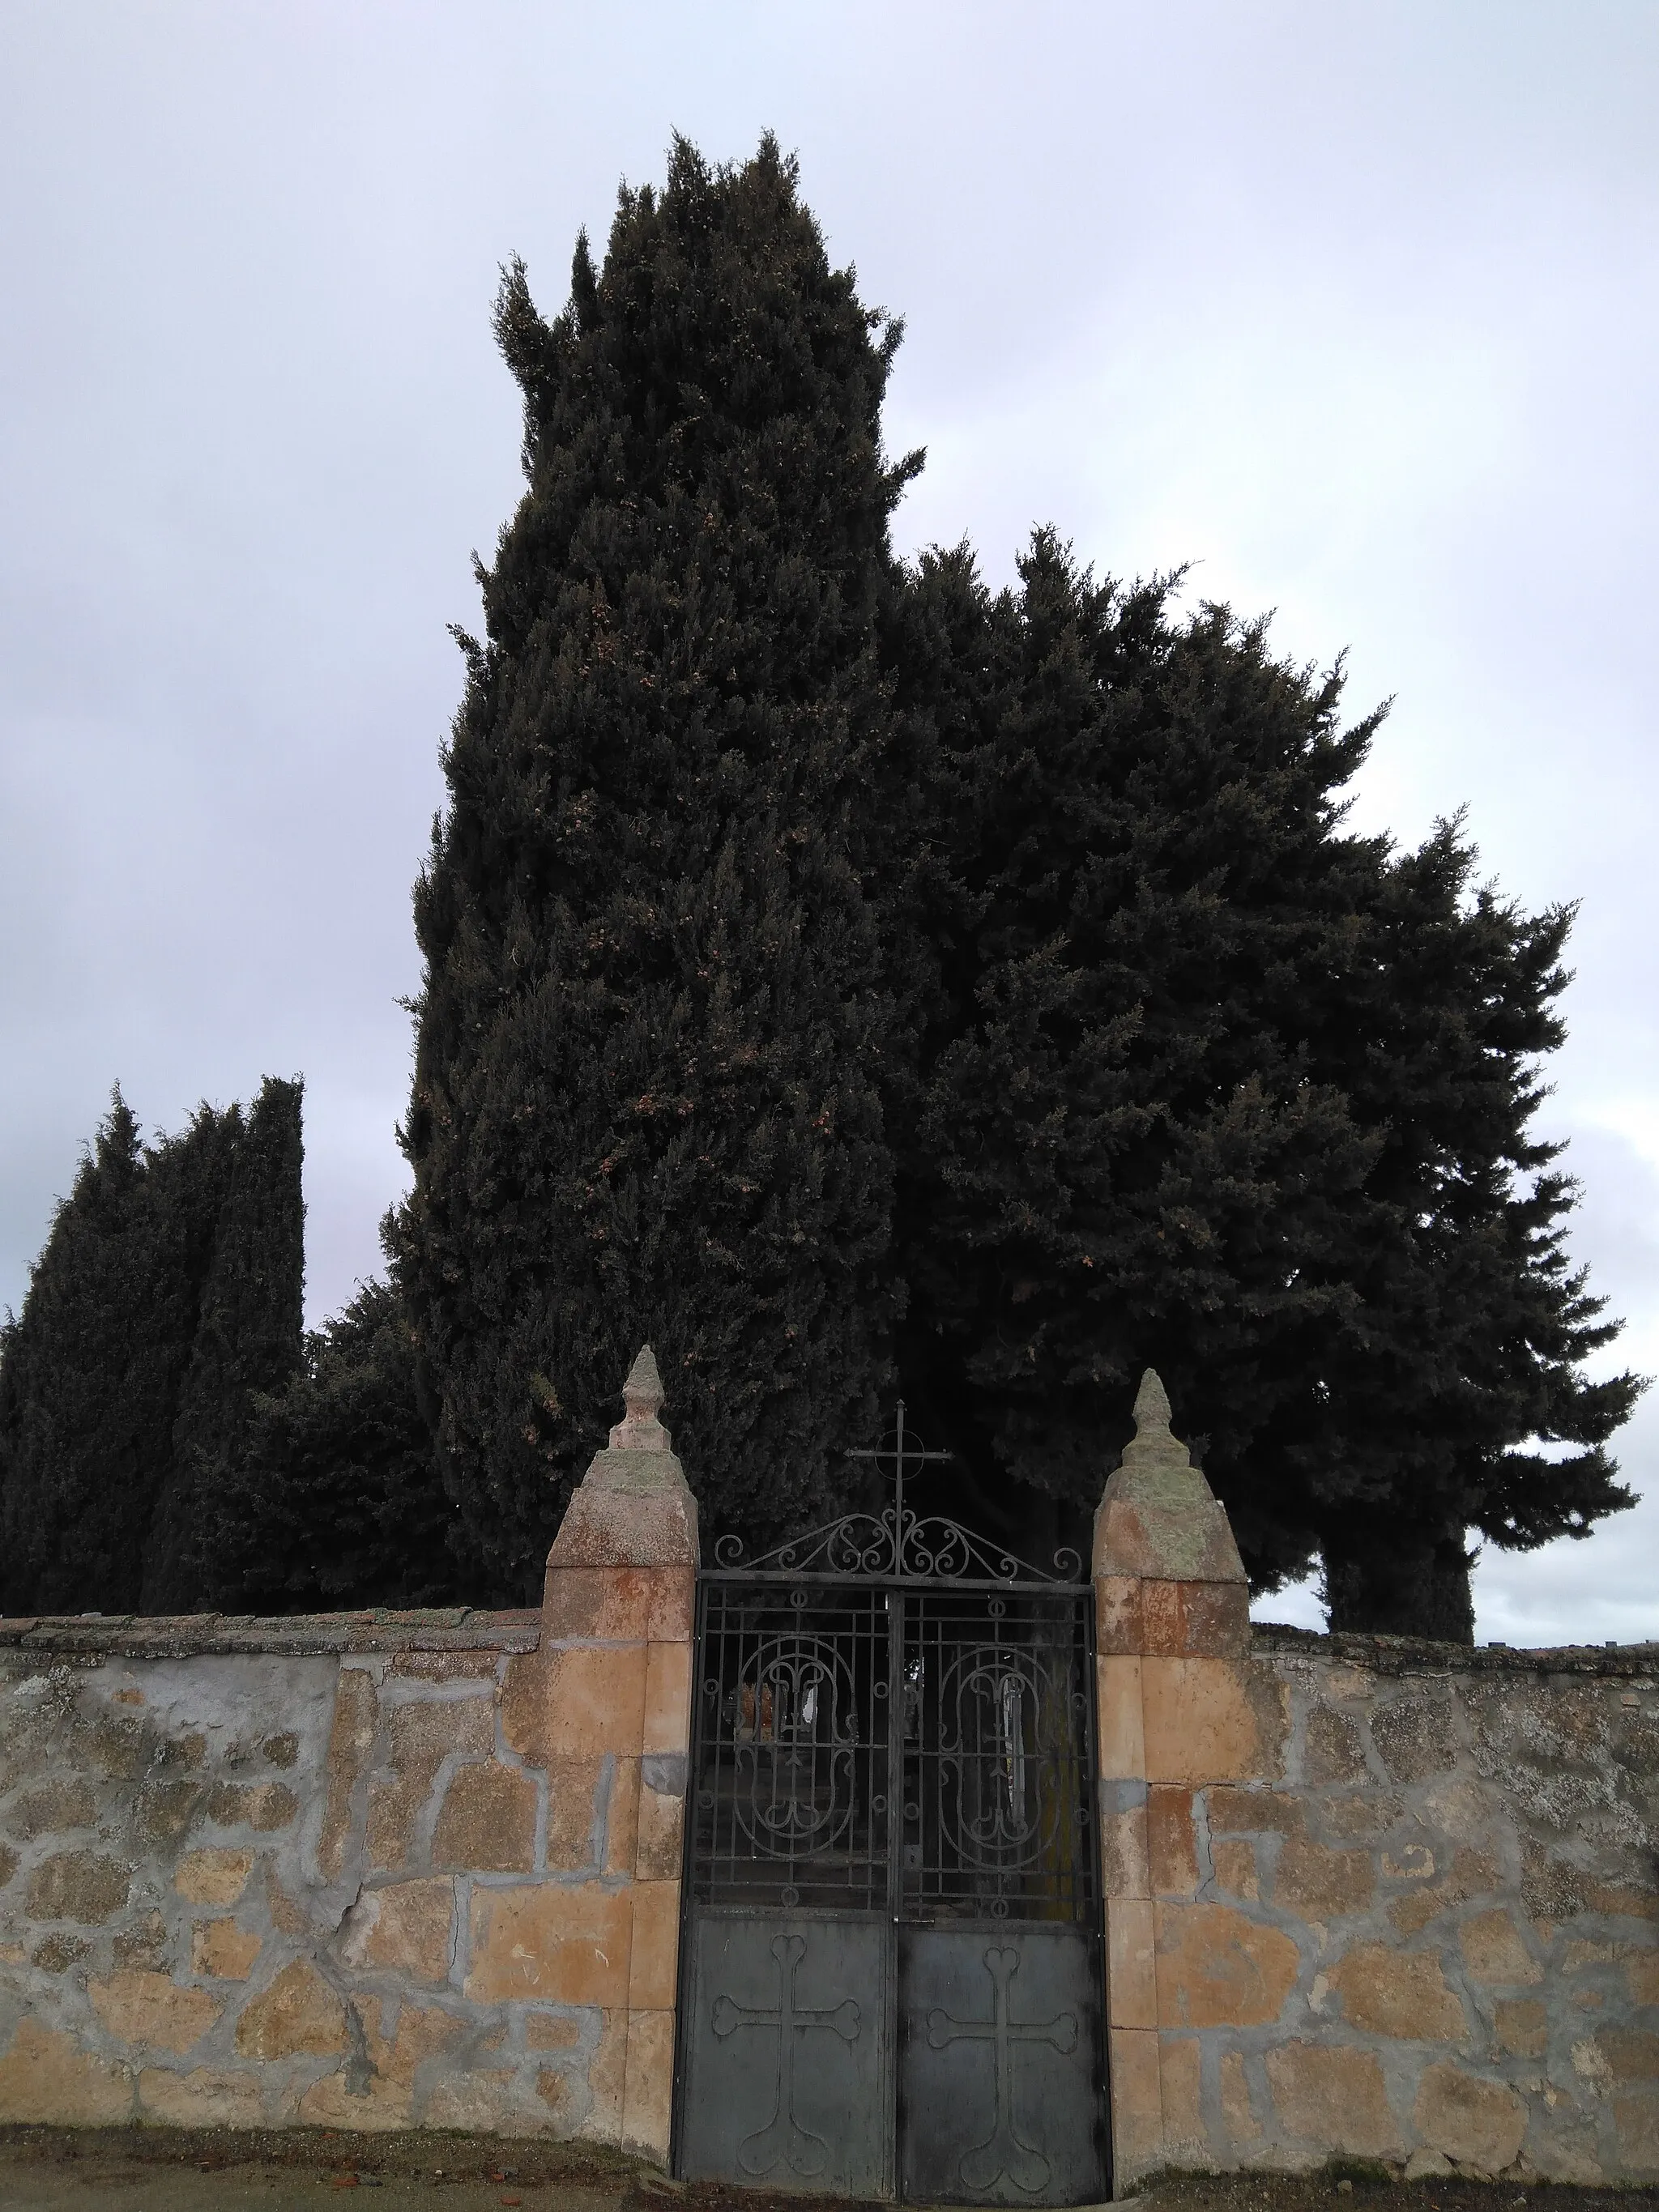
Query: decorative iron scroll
[898,1544]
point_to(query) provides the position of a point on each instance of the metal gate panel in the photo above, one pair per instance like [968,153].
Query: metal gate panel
[789,2080]
[1000,2098]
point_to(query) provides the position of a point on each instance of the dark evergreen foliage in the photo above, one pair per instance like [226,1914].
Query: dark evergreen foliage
[646,1102]
[249,1321]
[336,1500]
[1205,1083]
[170,1284]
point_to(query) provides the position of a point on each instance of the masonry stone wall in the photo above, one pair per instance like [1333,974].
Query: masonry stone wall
[1366,1896]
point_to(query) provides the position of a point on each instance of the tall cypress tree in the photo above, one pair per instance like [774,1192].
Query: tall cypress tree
[1205,1083]
[169,1286]
[249,1322]
[647,1091]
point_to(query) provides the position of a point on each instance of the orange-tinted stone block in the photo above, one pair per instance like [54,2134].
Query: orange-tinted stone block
[608,1604]
[1179,2068]
[1211,1720]
[1118,1709]
[1195,1619]
[654,1968]
[667,1719]
[1137,2102]
[648,2092]
[1172,1844]
[1217,1969]
[1130,1982]
[566,1943]
[595,1700]
[1117,1614]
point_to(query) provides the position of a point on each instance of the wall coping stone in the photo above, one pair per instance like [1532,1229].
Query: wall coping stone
[1412,1655]
[140,1636]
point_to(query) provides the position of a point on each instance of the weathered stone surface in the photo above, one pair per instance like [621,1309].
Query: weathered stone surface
[550,2031]
[1636,2127]
[578,1793]
[8,1865]
[1131,1955]
[1387,1992]
[1183,1619]
[1211,1720]
[80,1886]
[67,1802]
[59,1951]
[222,1951]
[1366,1817]
[566,1943]
[632,1508]
[45,2078]
[1234,1861]
[350,1744]
[1171,1845]
[1137,2102]
[523,1708]
[1242,2129]
[403,1928]
[649,2087]
[167,1811]
[1478,2124]
[1333,2097]
[653,1945]
[1217,1968]
[658,1836]
[595,1701]
[299,2014]
[1158,1516]
[1321,1884]
[420,1737]
[1628,2054]
[264,1805]
[203,2098]
[1495,1951]
[1120,1721]
[213,1876]
[1335,1750]
[1414,1737]
[488,1821]
[1521,2026]
[1255,1812]
[151,2011]
[1181,2071]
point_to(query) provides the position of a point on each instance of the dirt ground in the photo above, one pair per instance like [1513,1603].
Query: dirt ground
[181,2170]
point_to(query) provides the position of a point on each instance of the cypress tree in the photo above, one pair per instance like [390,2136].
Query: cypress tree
[335,1499]
[1205,1083]
[647,1091]
[249,1322]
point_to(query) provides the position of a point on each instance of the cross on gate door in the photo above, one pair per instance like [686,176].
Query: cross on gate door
[893,1981]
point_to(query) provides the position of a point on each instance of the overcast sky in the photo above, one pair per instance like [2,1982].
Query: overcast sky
[1352,308]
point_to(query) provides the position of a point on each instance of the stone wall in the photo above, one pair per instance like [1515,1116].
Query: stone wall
[1398,1901]
[368,1871]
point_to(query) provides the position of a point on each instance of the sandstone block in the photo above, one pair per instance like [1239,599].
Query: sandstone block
[1404,1993]
[8,1865]
[1522,2026]
[222,1951]
[1334,1751]
[403,1928]
[80,1886]
[567,1944]
[1179,2067]
[577,1813]
[1366,1817]
[59,1951]
[377,2108]
[648,2084]
[1131,1978]
[595,1701]
[476,2104]
[264,1805]
[45,2078]
[1255,1812]
[524,1706]
[1119,1719]
[298,2015]
[142,1942]
[653,1955]
[1195,1619]
[618,1604]
[1118,1626]
[1332,2096]
[622,1819]
[1234,1861]
[1636,2127]
[64,1803]
[487,1823]
[1216,1968]
[281,1750]
[1415,1737]
[1137,2101]
[1212,1720]
[1125,1867]
[203,2098]
[1321,1884]
[350,1743]
[667,1722]
[213,1877]
[660,1830]
[1628,2054]
[550,2031]
[1172,1844]
[1495,1951]
[1641,1974]
[151,2011]
[166,1813]
[1243,2130]
[1480,2124]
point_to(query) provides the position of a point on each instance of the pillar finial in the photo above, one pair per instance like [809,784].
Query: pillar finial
[639,1429]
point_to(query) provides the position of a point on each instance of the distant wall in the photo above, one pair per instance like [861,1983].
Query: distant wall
[1365,1896]
[306,1871]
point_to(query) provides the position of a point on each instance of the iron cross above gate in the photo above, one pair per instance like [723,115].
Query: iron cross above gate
[900,1458]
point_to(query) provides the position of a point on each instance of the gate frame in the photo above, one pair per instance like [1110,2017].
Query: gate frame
[898,1550]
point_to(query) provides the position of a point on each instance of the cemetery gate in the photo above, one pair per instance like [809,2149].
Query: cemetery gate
[891,1975]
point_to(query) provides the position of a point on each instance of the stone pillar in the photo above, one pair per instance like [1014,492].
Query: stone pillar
[616,1631]
[1172,1610]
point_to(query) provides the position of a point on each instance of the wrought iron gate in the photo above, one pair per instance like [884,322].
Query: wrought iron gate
[892,1975]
